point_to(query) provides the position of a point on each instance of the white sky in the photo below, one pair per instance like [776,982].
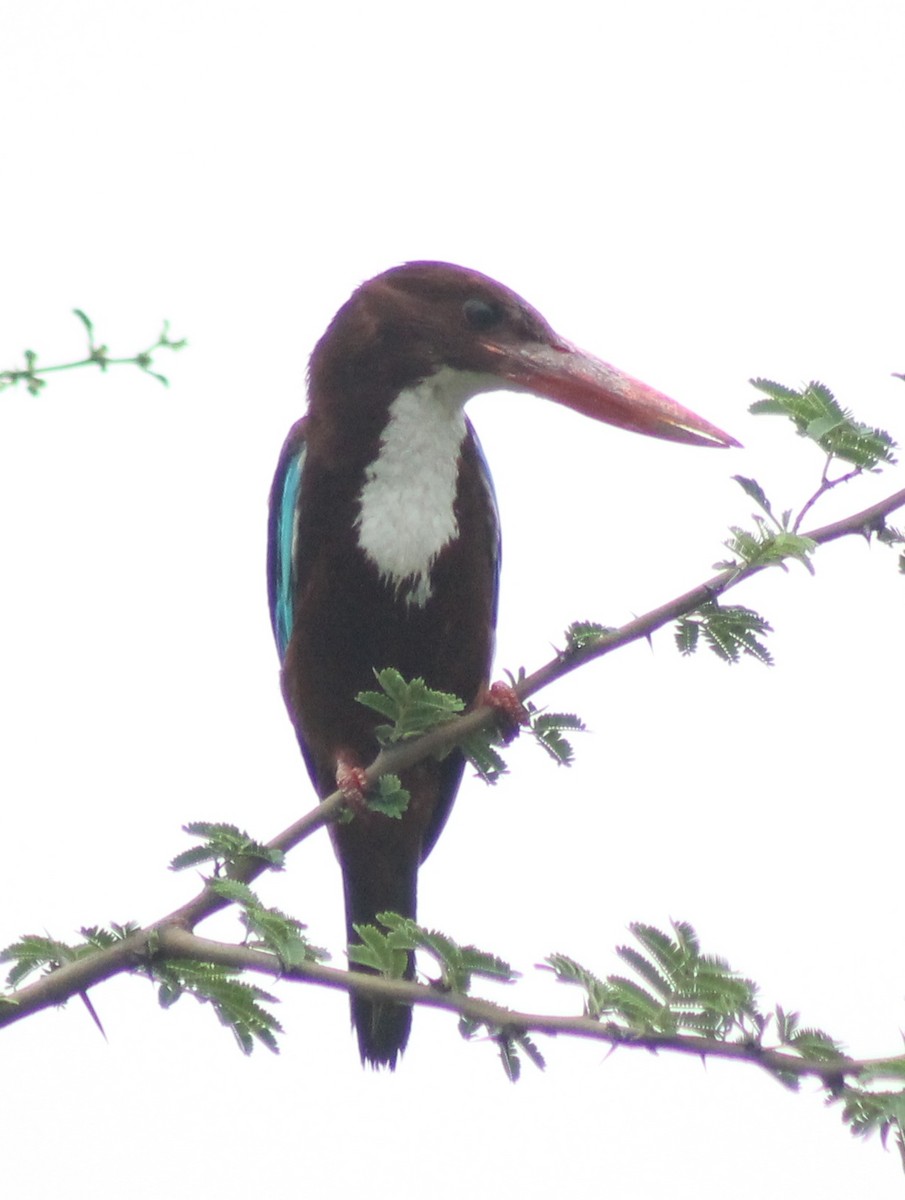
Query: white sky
[699,192]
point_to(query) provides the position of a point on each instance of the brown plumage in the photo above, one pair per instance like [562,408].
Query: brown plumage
[413,344]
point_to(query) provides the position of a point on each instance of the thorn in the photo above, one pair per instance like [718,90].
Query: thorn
[93,1013]
[648,637]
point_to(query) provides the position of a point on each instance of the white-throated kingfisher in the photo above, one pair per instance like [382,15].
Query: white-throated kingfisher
[384,545]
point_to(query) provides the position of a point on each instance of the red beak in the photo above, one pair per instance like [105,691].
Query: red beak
[570,376]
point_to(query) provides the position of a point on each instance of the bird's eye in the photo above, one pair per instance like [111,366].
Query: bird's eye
[482,314]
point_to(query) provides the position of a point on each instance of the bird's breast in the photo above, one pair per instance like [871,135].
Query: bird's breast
[407,503]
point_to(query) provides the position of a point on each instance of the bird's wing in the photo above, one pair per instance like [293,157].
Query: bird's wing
[495,540]
[282,530]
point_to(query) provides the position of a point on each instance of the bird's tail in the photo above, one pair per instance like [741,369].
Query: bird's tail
[382,1029]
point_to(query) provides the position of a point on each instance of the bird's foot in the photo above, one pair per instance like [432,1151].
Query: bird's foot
[352,782]
[511,713]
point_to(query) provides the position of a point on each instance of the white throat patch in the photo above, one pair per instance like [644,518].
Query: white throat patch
[407,510]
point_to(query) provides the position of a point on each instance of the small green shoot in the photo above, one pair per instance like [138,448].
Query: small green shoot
[225,846]
[269,928]
[97,356]
[411,708]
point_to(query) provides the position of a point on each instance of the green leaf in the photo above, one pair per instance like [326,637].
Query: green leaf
[641,1011]
[680,989]
[509,1042]
[786,1024]
[686,634]
[585,633]
[458,964]
[658,983]
[225,845]
[817,415]
[867,1112]
[238,1005]
[192,858]
[380,702]
[274,929]
[235,892]
[283,935]
[753,489]
[729,631]
[86,321]
[816,1045]
[778,391]
[767,547]
[389,797]
[103,939]
[379,951]
[413,707]
[598,994]
[34,953]
[480,748]
[546,728]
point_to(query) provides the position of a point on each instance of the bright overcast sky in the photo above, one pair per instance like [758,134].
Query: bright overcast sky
[700,193]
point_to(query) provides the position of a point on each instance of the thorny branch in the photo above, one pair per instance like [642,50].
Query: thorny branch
[169,933]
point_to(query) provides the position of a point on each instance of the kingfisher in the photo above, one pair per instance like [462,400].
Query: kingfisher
[384,545]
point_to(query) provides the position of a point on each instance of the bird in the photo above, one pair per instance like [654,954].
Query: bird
[384,545]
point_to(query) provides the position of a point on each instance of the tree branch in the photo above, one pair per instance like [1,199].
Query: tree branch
[177,943]
[75,977]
